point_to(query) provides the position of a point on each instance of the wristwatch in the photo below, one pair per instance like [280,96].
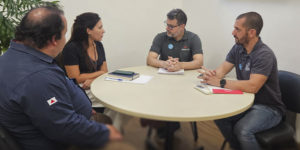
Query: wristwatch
[222,83]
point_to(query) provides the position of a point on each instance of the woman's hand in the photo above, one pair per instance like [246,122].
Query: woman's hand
[87,84]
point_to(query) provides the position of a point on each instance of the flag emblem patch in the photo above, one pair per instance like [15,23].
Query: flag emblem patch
[52,101]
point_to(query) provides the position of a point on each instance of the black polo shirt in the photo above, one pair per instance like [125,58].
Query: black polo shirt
[183,49]
[261,60]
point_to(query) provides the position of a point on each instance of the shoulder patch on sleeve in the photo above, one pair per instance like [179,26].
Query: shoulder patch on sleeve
[52,101]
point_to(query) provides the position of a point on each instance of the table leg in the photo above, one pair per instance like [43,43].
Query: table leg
[194,130]
[169,137]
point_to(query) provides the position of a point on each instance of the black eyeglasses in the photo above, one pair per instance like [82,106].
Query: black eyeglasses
[170,26]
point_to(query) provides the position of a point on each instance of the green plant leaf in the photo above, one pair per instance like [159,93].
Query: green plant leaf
[11,14]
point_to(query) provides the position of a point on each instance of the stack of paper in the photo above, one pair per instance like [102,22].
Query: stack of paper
[164,71]
[208,89]
[143,79]
[203,89]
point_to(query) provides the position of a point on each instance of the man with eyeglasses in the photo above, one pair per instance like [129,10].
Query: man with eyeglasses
[176,48]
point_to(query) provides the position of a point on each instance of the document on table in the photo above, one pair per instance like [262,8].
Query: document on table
[209,89]
[164,71]
[143,79]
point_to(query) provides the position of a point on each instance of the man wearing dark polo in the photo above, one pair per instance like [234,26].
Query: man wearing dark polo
[176,48]
[173,50]
[256,70]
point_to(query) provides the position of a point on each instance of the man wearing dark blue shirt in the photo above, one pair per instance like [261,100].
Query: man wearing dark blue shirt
[256,69]
[39,106]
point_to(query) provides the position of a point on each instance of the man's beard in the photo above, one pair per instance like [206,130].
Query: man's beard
[172,35]
[243,41]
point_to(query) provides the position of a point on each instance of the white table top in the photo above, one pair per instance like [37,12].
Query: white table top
[168,97]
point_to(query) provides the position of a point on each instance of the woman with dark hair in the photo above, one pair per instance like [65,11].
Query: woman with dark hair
[83,55]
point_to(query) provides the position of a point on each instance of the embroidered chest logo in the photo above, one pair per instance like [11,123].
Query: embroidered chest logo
[185,48]
[247,68]
[51,101]
[170,46]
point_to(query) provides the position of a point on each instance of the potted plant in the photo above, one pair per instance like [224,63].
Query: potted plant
[11,13]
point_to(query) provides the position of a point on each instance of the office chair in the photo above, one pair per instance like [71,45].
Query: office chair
[6,141]
[283,133]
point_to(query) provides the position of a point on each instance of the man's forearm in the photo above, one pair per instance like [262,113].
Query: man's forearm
[191,65]
[243,85]
[155,63]
[224,69]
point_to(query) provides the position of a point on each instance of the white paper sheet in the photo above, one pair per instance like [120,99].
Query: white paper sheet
[164,71]
[143,79]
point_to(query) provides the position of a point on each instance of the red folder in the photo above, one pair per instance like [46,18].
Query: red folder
[226,91]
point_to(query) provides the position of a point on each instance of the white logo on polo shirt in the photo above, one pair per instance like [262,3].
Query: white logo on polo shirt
[185,48]
[52,101]
[247,68]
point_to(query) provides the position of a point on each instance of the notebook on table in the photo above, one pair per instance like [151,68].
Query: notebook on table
[124,75]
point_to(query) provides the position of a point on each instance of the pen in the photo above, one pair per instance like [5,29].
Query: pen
[115,79]
[203,86]
[200,75]
[200,86]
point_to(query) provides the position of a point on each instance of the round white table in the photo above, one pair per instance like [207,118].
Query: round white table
[168,97]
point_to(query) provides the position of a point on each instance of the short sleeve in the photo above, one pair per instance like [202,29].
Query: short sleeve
[263,64]
[71,54]
[101,51]
[196,45]
[157,44]
[231,56]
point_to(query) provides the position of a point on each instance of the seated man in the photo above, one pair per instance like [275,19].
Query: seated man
[176,49]
[256,70]
[39,105]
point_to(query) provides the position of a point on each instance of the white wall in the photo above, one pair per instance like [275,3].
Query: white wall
[213,20]
[132,24]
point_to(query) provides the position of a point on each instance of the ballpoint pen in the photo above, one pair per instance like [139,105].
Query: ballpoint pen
[114,79]
[203,88]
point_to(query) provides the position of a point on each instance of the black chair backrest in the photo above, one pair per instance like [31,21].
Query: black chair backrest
[290,89]
[6,141]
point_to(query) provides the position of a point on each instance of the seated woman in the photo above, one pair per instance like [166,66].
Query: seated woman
[83,59]
[84,55]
